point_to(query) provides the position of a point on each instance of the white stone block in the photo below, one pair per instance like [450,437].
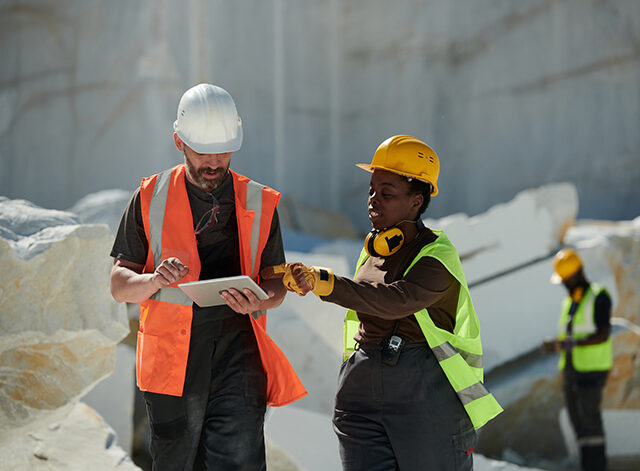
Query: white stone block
[77,442]
[517,312]
[309,332]
[304,435]
[113,397]
[59,325]
[512,234]
[102,207]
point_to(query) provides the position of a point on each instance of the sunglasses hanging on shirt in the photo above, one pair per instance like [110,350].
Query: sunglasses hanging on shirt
[208,219]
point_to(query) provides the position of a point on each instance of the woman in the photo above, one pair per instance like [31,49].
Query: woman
[410,394]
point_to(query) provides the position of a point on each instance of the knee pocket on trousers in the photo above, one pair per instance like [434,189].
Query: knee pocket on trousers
[169,430]
[463,444]
[167,415]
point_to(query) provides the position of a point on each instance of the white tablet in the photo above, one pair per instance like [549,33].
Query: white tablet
[206,293]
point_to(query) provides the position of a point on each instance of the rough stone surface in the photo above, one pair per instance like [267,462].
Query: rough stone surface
[102,207]
[59,326]
[117,409]
[77,442]
[511,234]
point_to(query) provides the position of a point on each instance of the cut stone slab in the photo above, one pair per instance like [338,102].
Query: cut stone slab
[509,306]
[529,227]
[309,332]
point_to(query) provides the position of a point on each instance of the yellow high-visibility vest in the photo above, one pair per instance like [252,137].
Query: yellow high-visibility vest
[598,357]
[459,353]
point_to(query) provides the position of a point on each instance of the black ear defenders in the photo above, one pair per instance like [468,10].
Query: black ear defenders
[384,242]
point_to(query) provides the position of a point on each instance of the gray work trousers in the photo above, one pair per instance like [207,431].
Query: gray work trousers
[217,424]
[583,395]
[403,417]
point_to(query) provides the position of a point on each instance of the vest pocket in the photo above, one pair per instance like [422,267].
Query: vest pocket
[146,353]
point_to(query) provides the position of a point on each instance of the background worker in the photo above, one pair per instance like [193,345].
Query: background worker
[586,356]
[412,318]
[206,374]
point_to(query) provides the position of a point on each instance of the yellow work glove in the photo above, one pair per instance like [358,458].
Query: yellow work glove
[302,279]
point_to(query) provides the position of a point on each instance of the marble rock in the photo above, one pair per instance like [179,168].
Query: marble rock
[59,325]
[309,332]
[117,409]
[512,234]
[102,207]
[77,442]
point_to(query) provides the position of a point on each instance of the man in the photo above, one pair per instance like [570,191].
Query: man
[206,374]
[586,357]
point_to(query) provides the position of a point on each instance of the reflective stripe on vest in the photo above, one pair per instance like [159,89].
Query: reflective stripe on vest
[458,354]
[156,214]
[598,357]
[165,318]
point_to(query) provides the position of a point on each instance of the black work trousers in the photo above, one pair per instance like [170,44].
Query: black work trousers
[403,417]
[583,395]
[217,424]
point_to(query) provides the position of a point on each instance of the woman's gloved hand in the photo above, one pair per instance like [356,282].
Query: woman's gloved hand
[301,279]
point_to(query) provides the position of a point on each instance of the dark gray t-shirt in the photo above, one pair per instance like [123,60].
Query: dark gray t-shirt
[217,245]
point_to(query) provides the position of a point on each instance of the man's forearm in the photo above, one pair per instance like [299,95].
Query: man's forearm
[131,287]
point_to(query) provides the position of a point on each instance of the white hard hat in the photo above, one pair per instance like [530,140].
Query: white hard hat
[208,121]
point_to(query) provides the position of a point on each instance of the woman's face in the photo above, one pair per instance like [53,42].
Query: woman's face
[390,201]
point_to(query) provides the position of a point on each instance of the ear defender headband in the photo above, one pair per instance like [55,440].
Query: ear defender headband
[385,242]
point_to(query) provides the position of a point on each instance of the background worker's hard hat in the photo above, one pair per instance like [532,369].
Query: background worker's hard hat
[208,121]
[408,156]
[566,263]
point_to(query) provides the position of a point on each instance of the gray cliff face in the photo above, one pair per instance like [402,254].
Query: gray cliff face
[511,95]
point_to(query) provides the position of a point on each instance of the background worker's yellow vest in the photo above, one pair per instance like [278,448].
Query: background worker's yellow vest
[459,353]
[598,357]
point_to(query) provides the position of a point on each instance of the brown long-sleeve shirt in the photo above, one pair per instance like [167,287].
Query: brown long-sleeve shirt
[380,294]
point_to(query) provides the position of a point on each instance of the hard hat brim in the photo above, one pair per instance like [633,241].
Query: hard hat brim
[371,168]
[232,145]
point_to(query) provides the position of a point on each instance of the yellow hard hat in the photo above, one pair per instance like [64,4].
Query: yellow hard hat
[408,156]
[566,263]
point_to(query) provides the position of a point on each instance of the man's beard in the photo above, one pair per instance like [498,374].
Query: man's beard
[205,184]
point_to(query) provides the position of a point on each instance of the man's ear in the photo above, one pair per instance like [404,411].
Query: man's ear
[178,141]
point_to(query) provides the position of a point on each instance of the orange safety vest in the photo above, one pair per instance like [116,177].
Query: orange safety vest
[165,318]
